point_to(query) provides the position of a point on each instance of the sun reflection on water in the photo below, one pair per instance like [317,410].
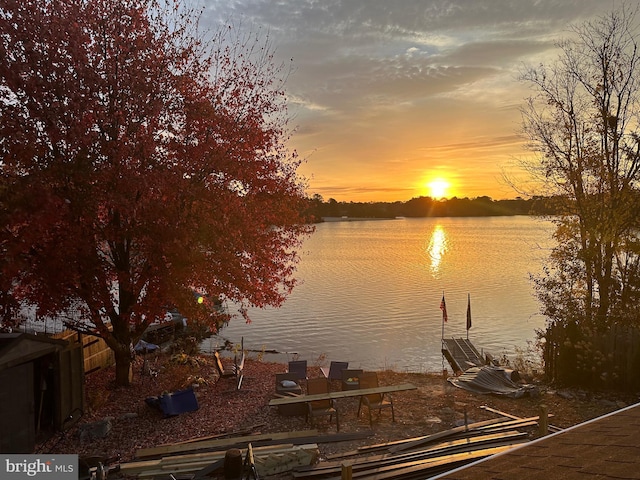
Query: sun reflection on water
[437,247]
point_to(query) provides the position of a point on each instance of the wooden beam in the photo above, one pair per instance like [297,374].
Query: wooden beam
[342,394]
[411,469]
[498,412]
[417,468]
[419,441]
[220,443]
[273,459]
[235,433]
[513,417]
[437,451]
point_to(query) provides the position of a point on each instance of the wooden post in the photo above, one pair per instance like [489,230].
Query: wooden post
[466,420]
[543,422]
[232,463]
[347,471]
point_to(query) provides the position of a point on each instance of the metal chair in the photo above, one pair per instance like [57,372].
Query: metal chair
[374,401]
[299,368]
[335,370]
[287,386]
[351,378]
[321,408]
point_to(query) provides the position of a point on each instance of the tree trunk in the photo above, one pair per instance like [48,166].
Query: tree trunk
[124,370]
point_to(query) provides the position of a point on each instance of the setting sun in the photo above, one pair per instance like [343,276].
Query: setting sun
[438,188]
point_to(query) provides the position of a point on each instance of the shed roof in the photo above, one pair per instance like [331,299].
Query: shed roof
[607,447]
[17,348]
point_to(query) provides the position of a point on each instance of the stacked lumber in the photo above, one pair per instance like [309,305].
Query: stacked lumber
[223,444]
[268,460]
[425,456]
[273,453]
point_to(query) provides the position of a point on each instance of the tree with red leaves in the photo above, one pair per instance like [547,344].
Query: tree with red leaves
[140,162]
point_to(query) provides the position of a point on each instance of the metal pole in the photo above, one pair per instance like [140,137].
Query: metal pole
[442,339]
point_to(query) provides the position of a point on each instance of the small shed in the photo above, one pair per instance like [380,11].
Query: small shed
[41,389]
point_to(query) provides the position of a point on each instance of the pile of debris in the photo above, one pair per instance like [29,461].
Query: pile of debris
[296,453]
[269,453]
[426,456]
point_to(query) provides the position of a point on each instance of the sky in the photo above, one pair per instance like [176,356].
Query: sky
[389,96]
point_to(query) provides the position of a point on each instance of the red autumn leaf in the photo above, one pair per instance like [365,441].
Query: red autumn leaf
[137,164]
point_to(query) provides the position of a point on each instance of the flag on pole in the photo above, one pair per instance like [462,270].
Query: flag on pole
[468,312]
[443,307]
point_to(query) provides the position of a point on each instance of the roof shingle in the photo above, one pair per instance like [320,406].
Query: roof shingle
[607,447]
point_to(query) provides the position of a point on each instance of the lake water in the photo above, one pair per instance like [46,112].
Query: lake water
[371,292]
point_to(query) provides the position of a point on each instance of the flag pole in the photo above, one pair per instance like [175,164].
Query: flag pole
[443,307]
[468,314]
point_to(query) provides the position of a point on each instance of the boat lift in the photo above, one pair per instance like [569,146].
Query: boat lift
[461,354]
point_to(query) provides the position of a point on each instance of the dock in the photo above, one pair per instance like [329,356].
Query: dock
[461,354]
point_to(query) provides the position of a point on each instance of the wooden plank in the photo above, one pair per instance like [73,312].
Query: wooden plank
[438,450]
[411,469]
[219,443]
[132,468]
[394,443]
[440,464]
[512,423]
[513,417]
[341,394]
[498,412]
[199,457]
[245,431]
[471,443]
[419,441]
[250,463]
[365,465]
[391,444]
[370,449]
[205,473]
[193,462]
[493,425]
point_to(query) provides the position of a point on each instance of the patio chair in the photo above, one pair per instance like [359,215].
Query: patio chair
[220,368]
[236,370]
[321,408]
[287,386]
[351,378]
[298,368]
[374,401]
[335,370]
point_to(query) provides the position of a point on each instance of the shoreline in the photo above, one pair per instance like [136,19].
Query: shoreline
[355,219]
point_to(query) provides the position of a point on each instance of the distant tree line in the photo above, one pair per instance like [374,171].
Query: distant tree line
[429,207]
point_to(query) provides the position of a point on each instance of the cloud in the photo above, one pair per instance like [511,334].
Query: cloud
[385,90]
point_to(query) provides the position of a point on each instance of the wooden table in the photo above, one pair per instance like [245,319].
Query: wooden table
[342,394]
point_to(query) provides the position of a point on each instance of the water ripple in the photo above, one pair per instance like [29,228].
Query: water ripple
[372,291]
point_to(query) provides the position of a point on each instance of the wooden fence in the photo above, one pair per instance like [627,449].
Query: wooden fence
[95,351]
[604,359]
